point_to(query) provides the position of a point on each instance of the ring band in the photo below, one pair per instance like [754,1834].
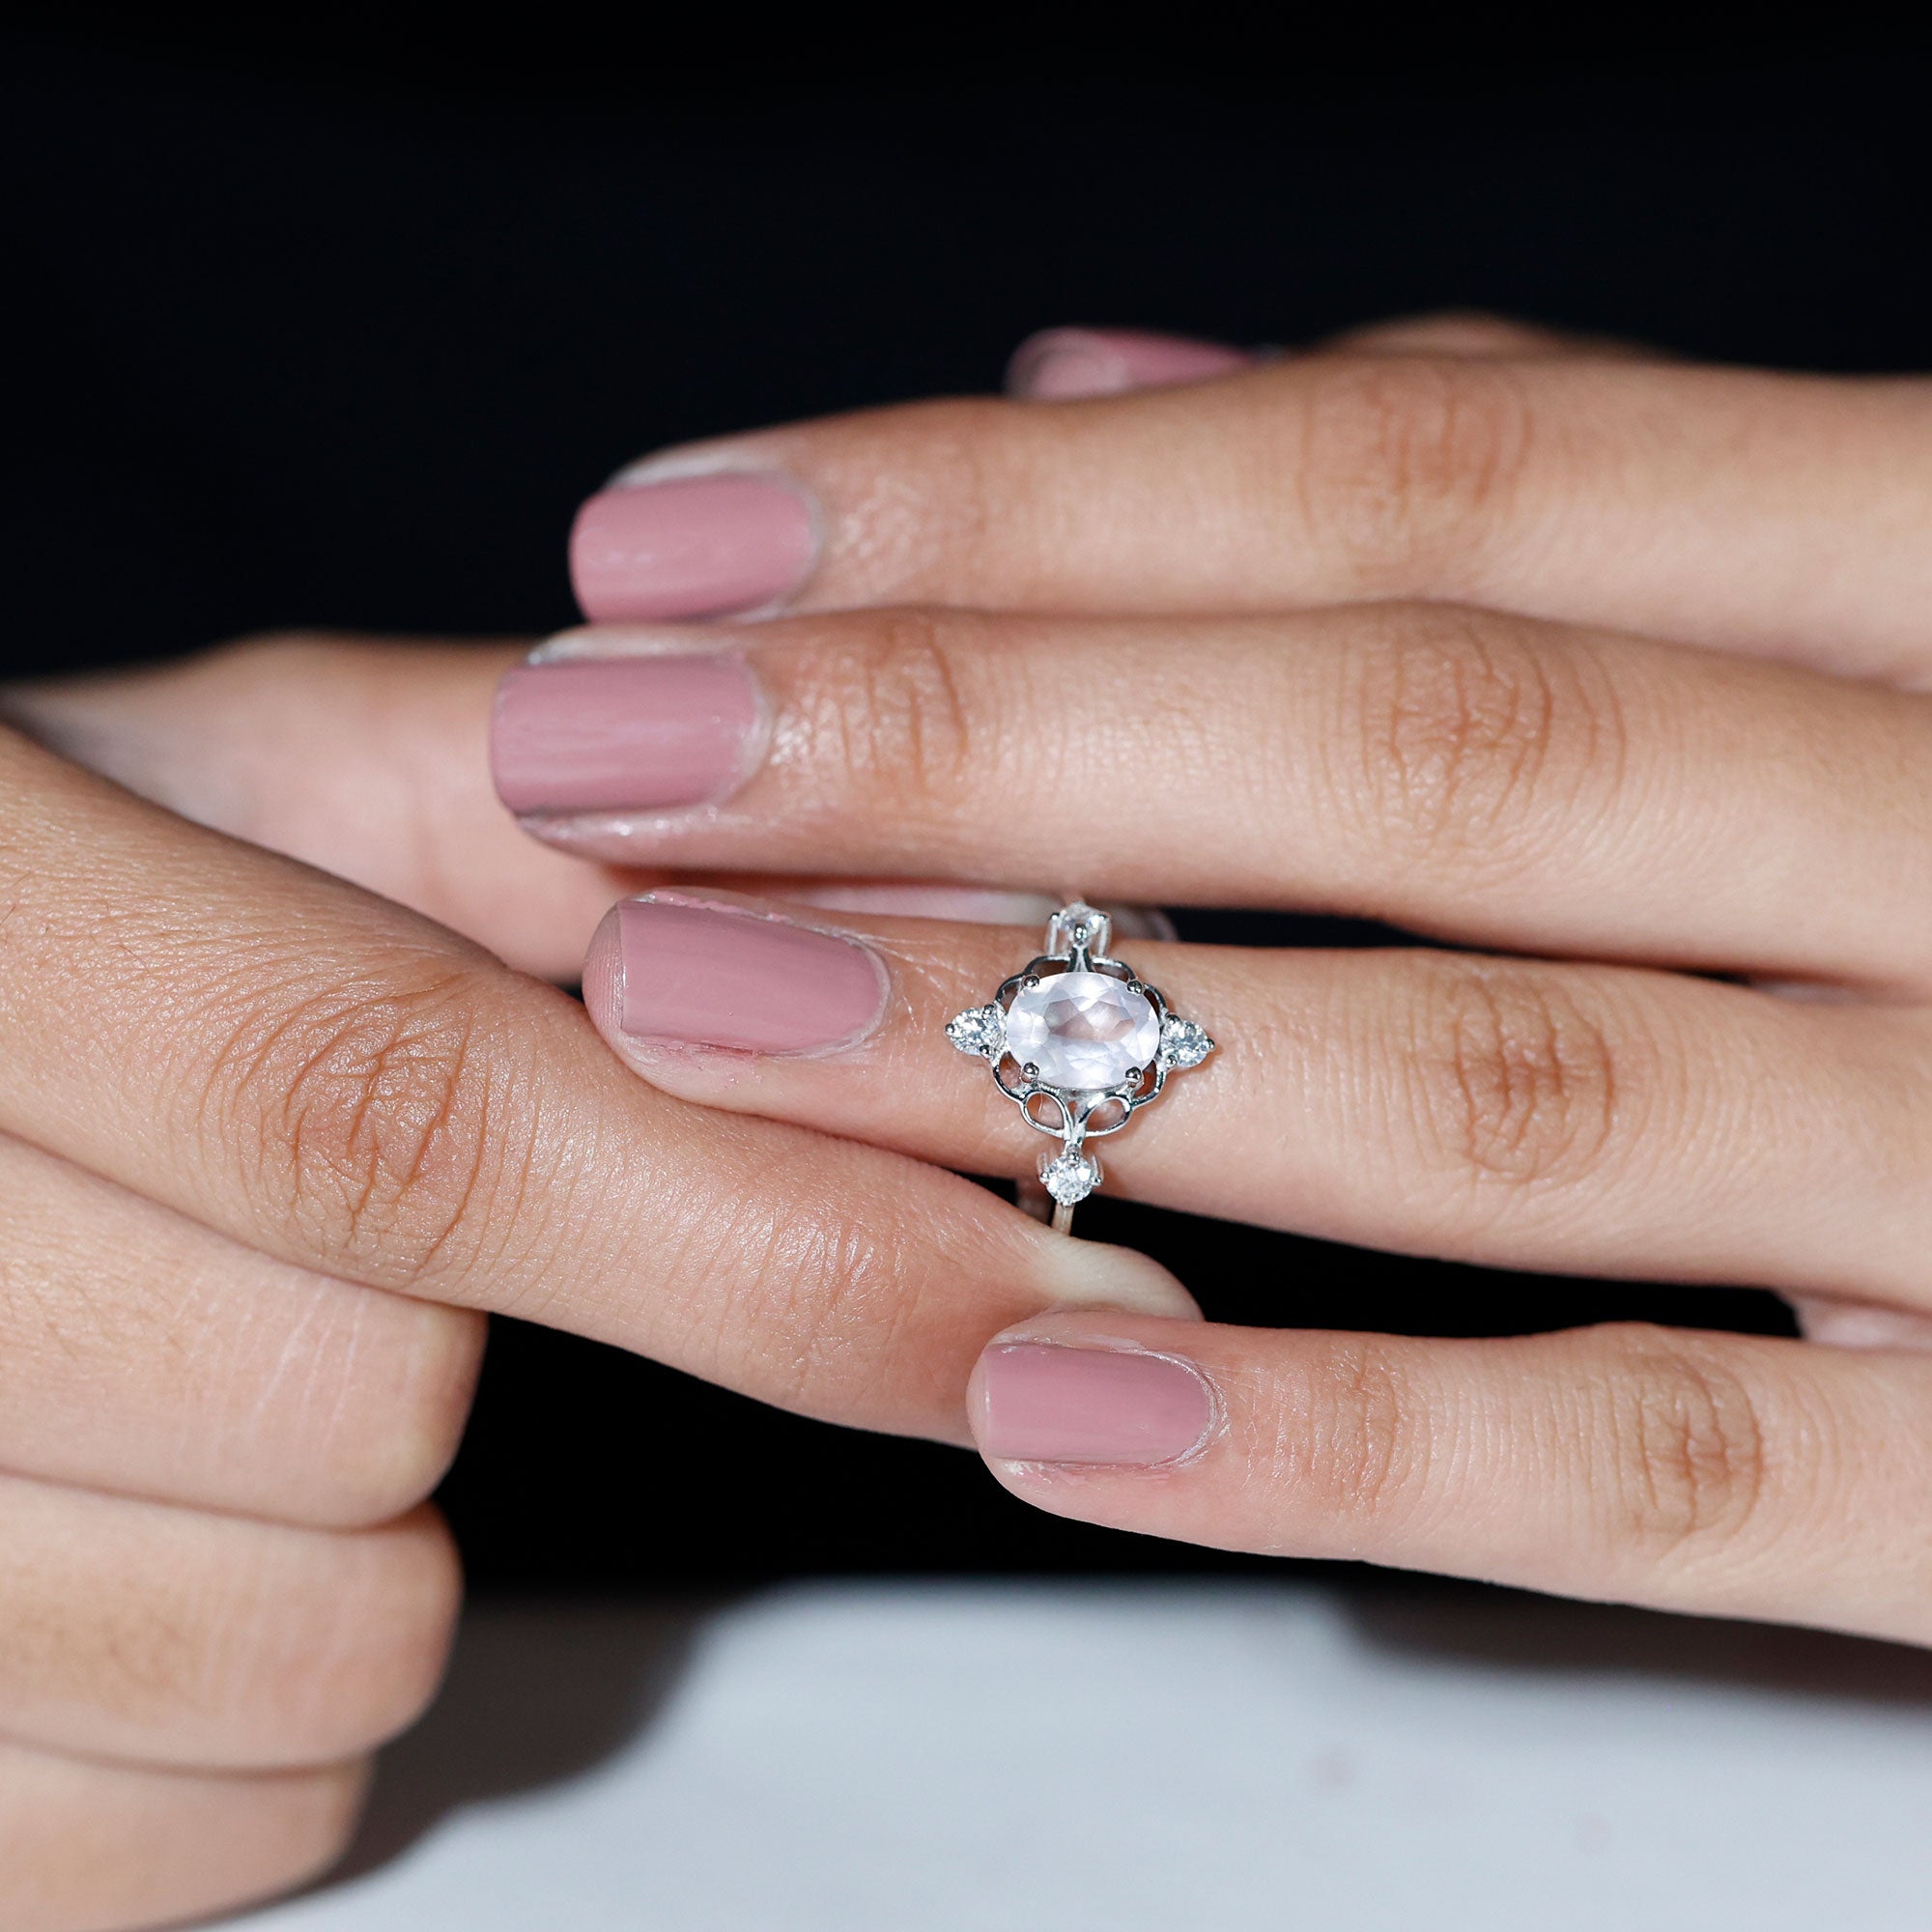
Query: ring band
[1080,1043]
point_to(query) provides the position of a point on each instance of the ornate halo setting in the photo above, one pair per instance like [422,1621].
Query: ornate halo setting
[1079,1042]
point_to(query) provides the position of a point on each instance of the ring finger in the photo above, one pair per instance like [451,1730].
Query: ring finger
[1585,1119]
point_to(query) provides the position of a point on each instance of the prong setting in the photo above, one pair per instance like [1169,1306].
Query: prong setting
[1080,1042]
[979,1030]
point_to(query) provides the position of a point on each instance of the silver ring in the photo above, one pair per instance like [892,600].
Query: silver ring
[1080,1043]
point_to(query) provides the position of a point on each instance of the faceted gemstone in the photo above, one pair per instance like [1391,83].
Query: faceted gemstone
[979,1030]
[1082,1029]
[1183,1043]
[1070,1176]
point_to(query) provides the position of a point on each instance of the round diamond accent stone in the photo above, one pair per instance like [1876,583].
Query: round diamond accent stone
[1183,1043]
[1070,1176]
[1082,1031]
[979,1030]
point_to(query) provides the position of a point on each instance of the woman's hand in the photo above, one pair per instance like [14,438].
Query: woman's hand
[1367,632]
[365,756]
[268,1144]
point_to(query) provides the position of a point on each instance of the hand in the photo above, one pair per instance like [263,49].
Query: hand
[365,756]
[1366,632]
[268,1144]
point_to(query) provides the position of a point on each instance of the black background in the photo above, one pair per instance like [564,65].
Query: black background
[337,327]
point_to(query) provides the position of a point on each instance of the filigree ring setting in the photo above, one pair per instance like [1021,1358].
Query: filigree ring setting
[1080,1043]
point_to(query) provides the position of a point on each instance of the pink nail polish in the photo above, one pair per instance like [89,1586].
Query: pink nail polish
[624,734]
[690,547]
[1042,1401]
[716,976]
[1060,364]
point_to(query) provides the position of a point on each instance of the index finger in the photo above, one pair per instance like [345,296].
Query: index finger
[344,1084]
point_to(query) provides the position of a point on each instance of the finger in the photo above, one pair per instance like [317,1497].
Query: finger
[1774,515]
[1860,1324]
[1730,1475]
[323,1076]
[141,1353]
[178,1637]
[1487,777]
[1474,332]
[86,1846]
[1573,1119]
[1059,365]
[1063,364]
[365,758]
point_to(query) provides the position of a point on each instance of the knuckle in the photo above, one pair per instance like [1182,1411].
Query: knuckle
[1458,331]
[823,1300]
[888,714]
[222,1642]
[88,1844]
[1518,1079]
[304,1824]
[924,498]
[367,1104]
[1407,462]
[1477,740]
[350,1670]
[276,657]
[1350,1443]
[390,1436]
[1686,1445]
[818,1304]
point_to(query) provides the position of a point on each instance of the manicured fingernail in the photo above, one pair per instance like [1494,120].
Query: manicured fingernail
[625,734]
[1060,364]
[692,546]
[1037,1402]
[719,976]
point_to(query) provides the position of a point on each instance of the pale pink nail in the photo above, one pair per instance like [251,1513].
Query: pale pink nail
[624,734]
[1039,1401]
[690,547]
[1060,364]
[714,976]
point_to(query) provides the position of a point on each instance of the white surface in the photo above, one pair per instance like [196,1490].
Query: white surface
[1120,1758]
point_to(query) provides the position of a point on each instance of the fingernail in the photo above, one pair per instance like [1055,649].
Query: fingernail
[692,546]
[625,734]
[1060,364]
[1037,1402]
[719,976]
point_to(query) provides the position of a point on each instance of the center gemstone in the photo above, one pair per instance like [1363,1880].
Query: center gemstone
[1082,1029]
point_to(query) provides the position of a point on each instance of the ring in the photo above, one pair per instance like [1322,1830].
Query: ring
[1080,1042]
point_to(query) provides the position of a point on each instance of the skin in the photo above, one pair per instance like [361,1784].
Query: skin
[270,1147]
[275,1129]
[1605,671]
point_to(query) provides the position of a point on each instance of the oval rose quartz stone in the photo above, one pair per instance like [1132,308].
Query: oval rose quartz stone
[1082,1029]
